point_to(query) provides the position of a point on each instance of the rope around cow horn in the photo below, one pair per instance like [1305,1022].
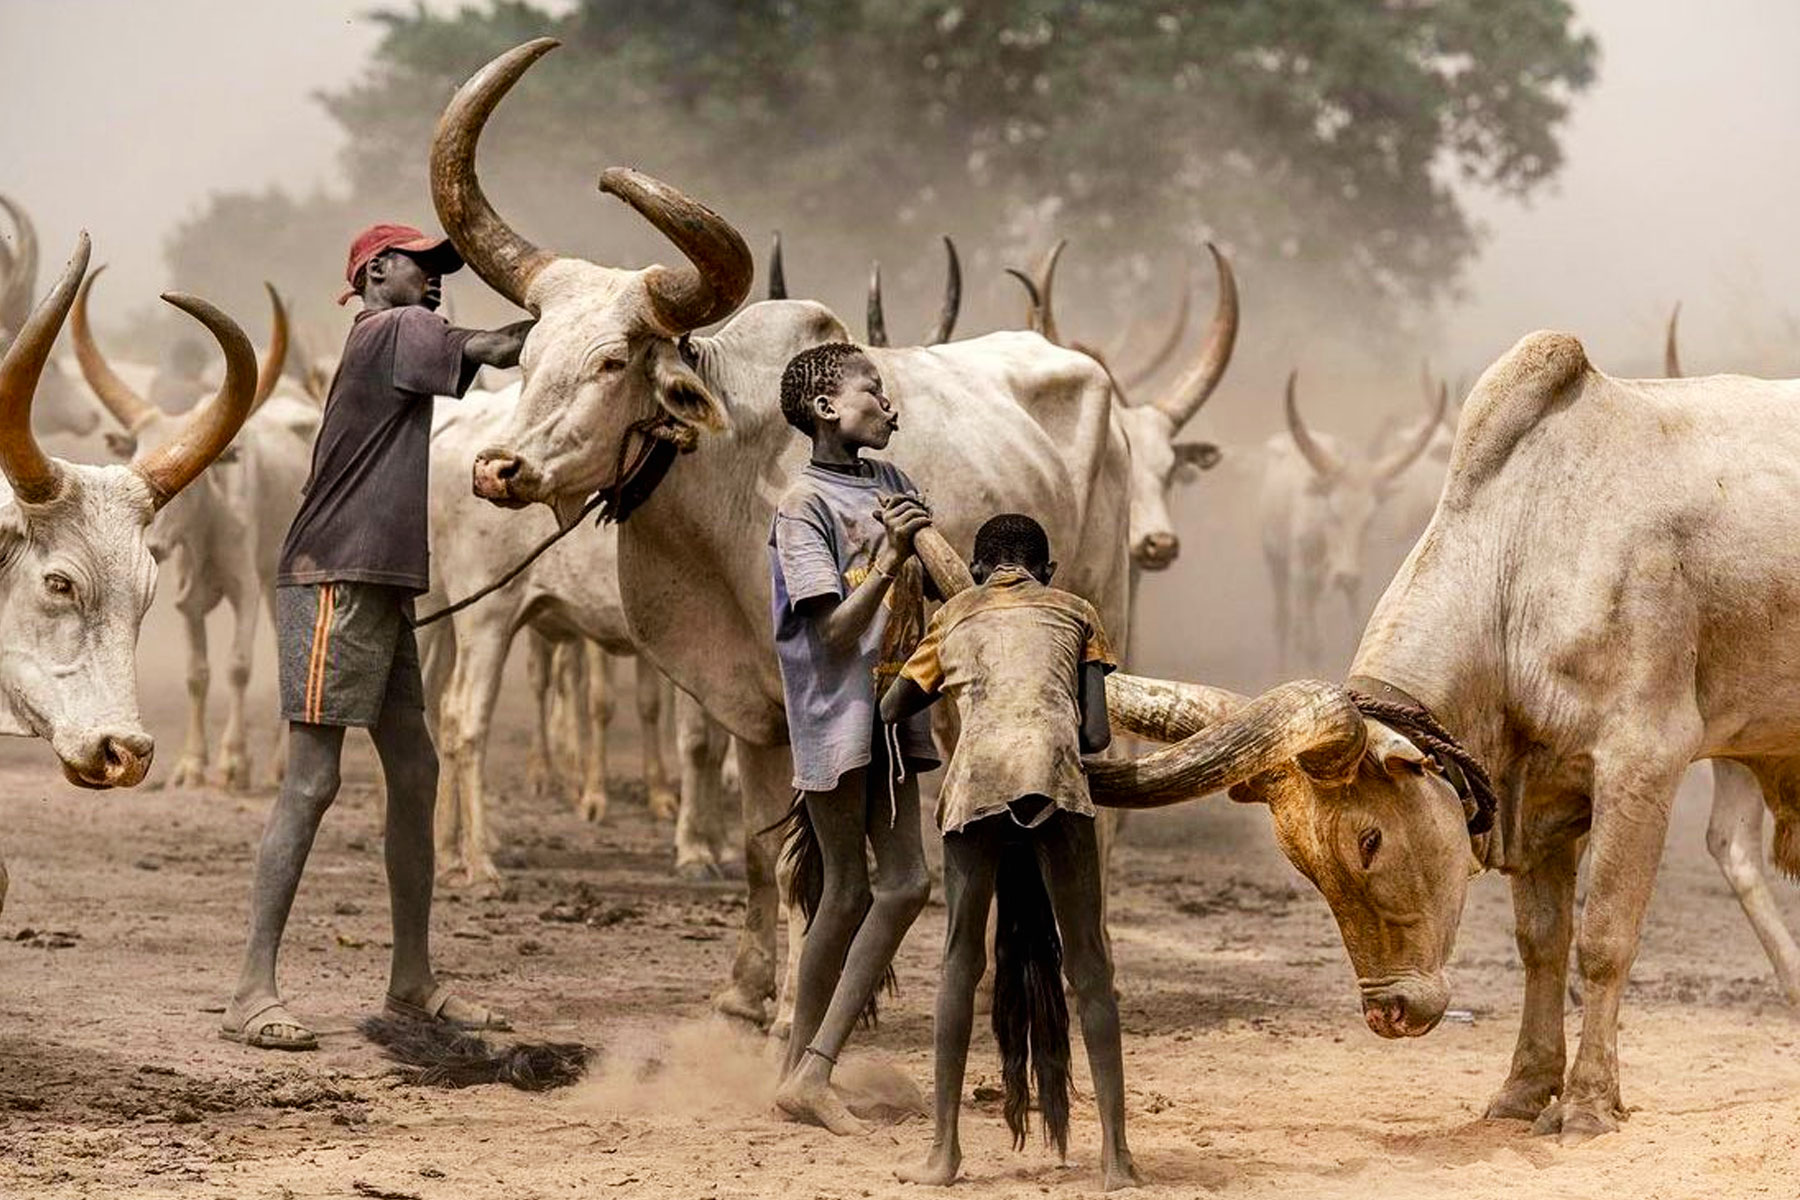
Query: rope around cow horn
[1415,722]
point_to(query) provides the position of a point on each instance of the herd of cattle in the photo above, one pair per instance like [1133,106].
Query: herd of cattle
[1604,586]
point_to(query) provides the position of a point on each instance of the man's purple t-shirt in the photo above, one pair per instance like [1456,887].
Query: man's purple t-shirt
[362,518]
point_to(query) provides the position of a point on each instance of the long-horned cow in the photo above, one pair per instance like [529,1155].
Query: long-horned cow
[59,406]
[1608,591]
[616,383]
[78,574]
[225,534]
[1318,500]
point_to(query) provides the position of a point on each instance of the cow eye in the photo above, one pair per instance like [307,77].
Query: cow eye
[609,365]
[58,584]
[1368,844]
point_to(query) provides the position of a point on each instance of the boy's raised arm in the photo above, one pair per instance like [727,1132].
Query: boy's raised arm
[903,699]
[1096,731]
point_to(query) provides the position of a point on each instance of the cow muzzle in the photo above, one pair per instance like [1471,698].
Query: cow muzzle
[505,479]
[1157,551]
[110,758]
[1408,1007]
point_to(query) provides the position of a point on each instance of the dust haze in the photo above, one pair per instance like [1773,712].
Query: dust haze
[1679,185]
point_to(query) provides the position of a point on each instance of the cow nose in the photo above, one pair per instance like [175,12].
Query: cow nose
[1158,550]
[112,758]
[500,477]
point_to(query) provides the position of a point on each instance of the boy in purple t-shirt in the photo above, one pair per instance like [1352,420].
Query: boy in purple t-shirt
[847,601]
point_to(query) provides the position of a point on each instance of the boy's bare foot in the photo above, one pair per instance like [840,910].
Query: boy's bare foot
[1119,1171]
[938,1170]
[806,1095]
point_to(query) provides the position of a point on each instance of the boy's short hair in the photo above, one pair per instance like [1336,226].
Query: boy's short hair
[1012,538]
[812,372]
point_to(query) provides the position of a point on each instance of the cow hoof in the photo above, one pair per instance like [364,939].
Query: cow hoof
[1520,1100]
[664,803]
[189,772]
[1584,1125]
[592,807]
[781,1028]
[734,1003]
[237,776]
[698,870]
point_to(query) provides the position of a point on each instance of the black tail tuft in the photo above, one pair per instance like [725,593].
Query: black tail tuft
[440,1055]
[800,846]
[1031,1017]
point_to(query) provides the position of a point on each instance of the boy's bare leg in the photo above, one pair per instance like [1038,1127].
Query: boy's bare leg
[409,766]
[1069,855]
[901,887]
[969,863]
[308,787]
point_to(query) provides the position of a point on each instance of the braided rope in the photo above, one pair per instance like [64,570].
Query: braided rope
[1417,723]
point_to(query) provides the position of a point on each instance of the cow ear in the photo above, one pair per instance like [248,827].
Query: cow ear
[1394,754]
[121,445]
[681,392]
[1191,458]
[12,543]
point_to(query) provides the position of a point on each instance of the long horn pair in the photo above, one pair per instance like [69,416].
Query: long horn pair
[1184,397]
[1171,340]
[1321,459]
[1672,351]
[20,267]
[134,411]
[720,267]
[876,320]
[35,477]
[1040,313]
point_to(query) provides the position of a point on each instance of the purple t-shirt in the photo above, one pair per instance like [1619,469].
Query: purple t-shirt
[362,518]
[823,543]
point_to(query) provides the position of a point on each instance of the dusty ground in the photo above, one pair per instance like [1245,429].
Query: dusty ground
[1250,1072]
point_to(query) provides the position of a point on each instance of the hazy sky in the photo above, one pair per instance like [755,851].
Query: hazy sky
[1682,180]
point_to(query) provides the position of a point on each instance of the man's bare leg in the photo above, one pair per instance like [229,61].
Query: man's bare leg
[1069,855]
[308,787]
[901,887]
[969,862]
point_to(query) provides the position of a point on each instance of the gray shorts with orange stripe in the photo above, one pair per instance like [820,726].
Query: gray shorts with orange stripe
[347,652]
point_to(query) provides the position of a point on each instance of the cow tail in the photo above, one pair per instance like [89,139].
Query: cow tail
[1031,1017]
[805,863]
[1787,844]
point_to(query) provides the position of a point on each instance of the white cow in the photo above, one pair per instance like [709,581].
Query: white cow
[1319,498]
[76,574]
[615,385]
[59,406]
[570,594]
[225,534]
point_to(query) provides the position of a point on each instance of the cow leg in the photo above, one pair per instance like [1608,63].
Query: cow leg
[234,758]
[767,773]
[1734,838]
[1284,618]
[1634,790]
[1543,922]
[700,822]
[190,768]
[474,687]
[592,805]
[664,803]
[1308,649]
[796,940]
[540,763]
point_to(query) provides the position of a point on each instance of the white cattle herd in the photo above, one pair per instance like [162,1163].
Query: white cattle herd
[1606,587]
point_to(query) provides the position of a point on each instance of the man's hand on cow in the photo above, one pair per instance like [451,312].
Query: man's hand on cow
[902,516]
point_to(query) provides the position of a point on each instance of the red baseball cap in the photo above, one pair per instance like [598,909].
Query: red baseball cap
[435,254]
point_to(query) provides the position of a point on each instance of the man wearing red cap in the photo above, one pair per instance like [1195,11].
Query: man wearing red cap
[354,558]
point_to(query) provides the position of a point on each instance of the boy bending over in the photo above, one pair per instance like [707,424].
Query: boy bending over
[846,596]
[1026,665]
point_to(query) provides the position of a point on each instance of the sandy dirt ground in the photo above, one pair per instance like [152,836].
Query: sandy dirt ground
[1249,1070]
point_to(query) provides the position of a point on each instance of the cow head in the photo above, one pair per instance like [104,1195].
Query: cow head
[59,406]
[75,574]
[148,429]
[1158,460]
[1356,808]
[605,356]
[1346,488]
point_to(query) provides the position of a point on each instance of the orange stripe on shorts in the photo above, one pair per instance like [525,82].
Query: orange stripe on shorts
[315,668]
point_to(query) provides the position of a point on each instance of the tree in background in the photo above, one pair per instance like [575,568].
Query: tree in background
[1318,140]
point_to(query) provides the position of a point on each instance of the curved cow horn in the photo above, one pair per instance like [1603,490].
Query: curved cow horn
[35,477]
[952,308]
[275,361]
[1185,396]
[1309,720]
[21,274]
[1671,352]
[1034,304]
[777,275]
[127,407]
[1045,284]
[876,320]
[1323,461]
[1171,340]
[505,261]
[209,428]
[720,268]
[1406,455]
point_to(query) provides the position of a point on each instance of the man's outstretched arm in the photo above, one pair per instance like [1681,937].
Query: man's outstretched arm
[498,347]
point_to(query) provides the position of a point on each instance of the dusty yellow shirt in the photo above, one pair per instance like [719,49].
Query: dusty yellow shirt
[1009,655]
